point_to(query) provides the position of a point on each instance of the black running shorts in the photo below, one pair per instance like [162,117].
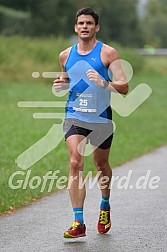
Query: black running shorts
[98,134]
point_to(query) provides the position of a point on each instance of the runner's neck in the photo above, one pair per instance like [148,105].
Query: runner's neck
[84,47]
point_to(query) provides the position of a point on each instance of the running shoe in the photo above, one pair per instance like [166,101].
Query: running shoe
[104,223]
[76,230]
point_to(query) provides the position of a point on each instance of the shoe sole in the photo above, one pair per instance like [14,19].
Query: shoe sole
[103,232]
[71,236]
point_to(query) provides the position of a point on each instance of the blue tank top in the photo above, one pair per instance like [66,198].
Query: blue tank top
[86,101]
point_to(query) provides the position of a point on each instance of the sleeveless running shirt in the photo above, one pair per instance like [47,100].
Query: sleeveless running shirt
[86,101]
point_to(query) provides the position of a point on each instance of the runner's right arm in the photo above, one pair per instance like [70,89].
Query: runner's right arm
[62,81]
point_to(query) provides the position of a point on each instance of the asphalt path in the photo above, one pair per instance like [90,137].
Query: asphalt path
[139,215]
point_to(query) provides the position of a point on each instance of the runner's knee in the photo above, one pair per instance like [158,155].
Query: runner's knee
[101,165]
[76,165]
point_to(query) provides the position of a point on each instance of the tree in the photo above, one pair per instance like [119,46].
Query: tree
[52,17]
[155,22]
[118,19]
[16,4]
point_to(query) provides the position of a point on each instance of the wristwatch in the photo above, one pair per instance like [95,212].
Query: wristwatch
[105,83]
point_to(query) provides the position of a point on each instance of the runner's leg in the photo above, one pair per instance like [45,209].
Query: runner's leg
[100,157]
[77,195]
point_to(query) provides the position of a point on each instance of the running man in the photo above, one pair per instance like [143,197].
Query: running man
[88,112]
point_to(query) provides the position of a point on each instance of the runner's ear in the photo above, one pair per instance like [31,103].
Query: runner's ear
[97,28]
[75,28]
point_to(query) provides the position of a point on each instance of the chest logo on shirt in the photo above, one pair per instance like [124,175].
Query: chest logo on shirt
[94,59]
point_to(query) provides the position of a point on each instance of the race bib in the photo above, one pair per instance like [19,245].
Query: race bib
[85,102]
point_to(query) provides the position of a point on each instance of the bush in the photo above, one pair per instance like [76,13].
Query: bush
[13,21]
[20,56]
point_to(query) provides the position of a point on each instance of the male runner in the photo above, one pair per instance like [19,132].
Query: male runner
[88,112]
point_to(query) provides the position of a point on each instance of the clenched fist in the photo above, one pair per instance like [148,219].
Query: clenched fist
[95,77]
[60,83]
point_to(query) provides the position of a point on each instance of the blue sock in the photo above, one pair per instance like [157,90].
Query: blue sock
[78,214]
[105,203]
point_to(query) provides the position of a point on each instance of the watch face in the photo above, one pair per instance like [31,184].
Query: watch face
[105,83]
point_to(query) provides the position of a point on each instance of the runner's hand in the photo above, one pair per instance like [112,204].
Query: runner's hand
[58,84]
[94,76]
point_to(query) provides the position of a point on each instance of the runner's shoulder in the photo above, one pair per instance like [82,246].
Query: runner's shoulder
[109,51]
[64,54]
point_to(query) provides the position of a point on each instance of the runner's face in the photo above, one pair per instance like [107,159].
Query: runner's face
[86,27]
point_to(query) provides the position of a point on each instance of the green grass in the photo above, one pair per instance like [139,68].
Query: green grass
[145,128]
[20,56]
[137,134]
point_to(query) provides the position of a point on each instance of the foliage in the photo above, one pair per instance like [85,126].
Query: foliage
[119,21]
[55,17]
[13,21]
[20,56]
[154,24]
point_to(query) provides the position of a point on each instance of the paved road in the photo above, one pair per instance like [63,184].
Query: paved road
[139,215]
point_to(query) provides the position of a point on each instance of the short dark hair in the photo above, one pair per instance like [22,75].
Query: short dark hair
[88,11]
